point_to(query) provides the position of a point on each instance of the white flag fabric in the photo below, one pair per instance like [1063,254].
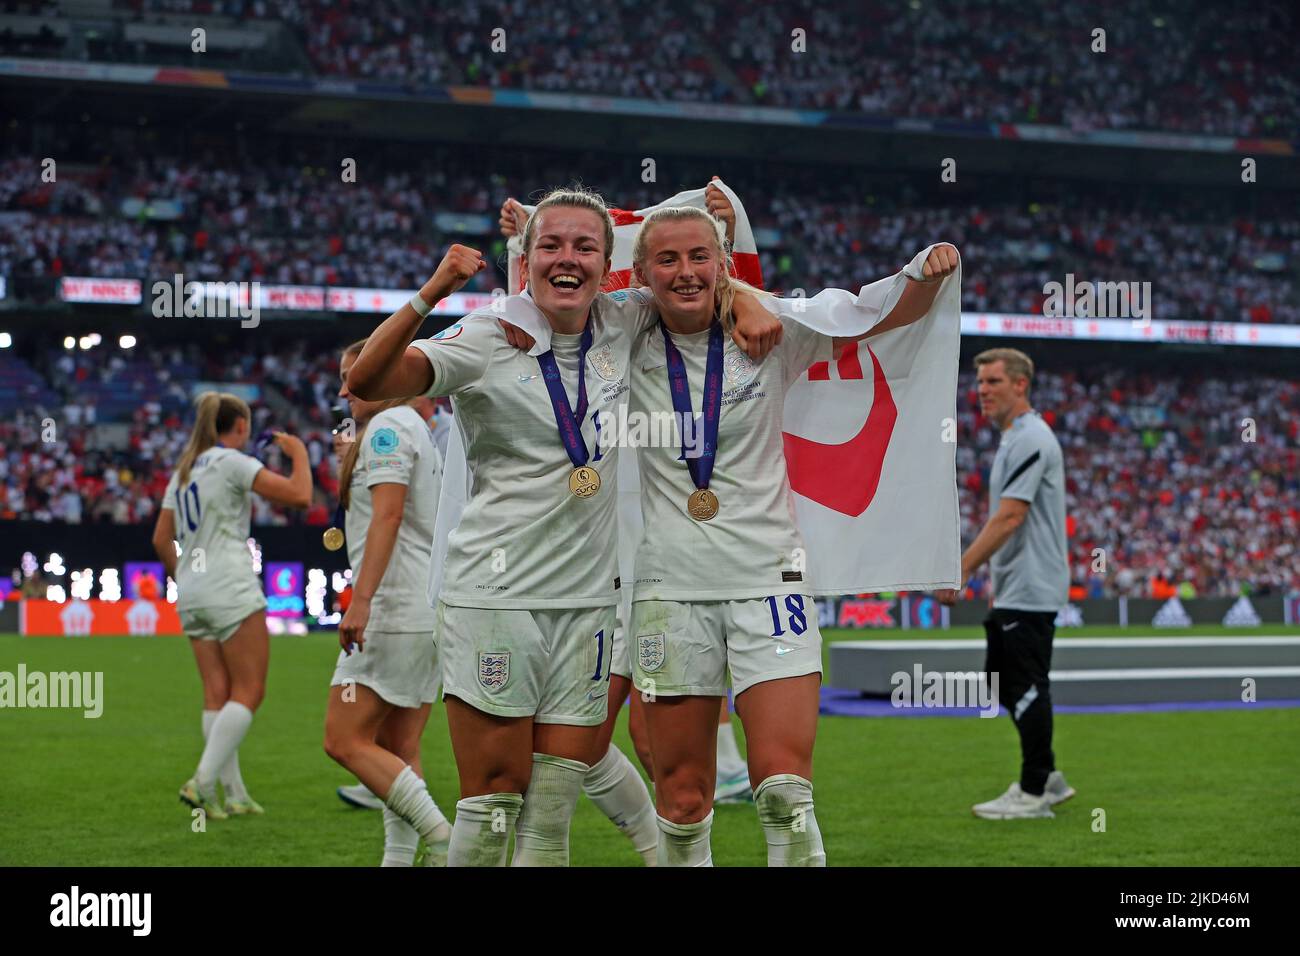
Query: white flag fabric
[870,439]
[871,444]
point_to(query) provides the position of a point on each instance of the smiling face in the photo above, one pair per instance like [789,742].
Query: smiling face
[681,267]
[567,263]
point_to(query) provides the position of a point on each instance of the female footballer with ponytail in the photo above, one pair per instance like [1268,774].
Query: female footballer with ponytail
[205,511]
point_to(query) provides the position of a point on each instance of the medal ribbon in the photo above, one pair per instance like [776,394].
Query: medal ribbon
[701,467]
[568,420]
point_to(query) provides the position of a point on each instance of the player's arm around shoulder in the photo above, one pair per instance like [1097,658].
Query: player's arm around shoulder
[757,329]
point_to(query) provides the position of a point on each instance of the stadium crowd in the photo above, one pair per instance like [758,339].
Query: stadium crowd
[1163,474]
[284,216]
[1204,69]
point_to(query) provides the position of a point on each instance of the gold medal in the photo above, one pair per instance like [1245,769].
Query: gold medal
[702,505]
[584,482]
[333,539]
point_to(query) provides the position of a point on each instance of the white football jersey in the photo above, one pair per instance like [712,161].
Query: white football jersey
[748,549]
[397,448]
[525,540]
[211,512]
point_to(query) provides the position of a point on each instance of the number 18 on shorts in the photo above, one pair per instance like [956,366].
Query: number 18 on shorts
[686,648]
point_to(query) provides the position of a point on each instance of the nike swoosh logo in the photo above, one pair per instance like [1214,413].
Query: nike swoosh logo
[528,378]
[1007,627]
[782,651]
[845,477]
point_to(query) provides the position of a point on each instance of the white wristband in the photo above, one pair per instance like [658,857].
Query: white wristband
[421,307]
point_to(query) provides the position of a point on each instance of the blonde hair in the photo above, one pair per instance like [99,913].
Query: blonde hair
[574,197]
[727,285]
[354,450]
[216,413]
[1016,362]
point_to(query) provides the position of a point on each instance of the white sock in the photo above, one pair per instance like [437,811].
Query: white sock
[231,780]
[400,840]
[483,827]
[542,834]
[685,844]
[618,790]
[409,799]
[730,762]
[224,737]
[785,808]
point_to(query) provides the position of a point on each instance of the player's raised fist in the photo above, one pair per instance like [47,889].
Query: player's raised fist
[513,218]
[941,262]
[719,205]
[458,266]
[287,443]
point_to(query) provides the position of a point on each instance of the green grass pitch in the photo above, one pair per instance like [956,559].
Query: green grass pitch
[1200,788]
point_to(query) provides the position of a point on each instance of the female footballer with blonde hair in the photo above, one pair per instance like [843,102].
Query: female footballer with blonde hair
[386,676]
[526,611]
[718,587]
[205,511]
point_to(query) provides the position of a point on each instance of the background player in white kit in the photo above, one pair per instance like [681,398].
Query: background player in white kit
[718,585]
[527,607]
[386,677]
[205,510]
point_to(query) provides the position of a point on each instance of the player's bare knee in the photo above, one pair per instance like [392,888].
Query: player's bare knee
[684,796]
[340,746]
[214,698]
[250,694]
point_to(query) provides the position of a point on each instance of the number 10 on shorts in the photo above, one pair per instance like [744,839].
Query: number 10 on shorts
[796,618]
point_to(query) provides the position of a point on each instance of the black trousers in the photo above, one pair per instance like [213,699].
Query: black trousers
[1020,654]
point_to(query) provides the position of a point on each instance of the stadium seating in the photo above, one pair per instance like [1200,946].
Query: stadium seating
[282,216]
[1206,69]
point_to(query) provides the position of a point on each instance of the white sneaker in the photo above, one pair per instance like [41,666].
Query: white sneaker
[1015,804]
[1057,790]
[733,789]
[358,795]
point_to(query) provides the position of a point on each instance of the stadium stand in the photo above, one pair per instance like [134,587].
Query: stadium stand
[1220,69]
